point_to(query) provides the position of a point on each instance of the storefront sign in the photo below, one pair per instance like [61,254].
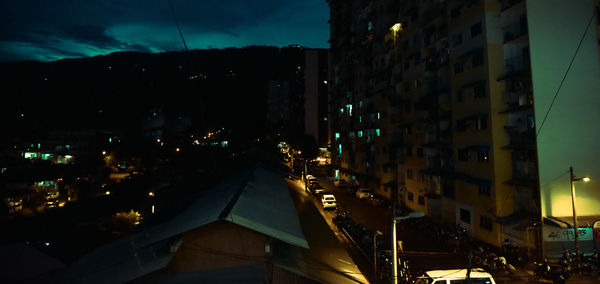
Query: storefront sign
[566,235]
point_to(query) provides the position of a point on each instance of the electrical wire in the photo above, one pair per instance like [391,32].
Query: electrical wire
[177,24]
[566,73]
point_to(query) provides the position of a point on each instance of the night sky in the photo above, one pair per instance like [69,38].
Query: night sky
[52,30]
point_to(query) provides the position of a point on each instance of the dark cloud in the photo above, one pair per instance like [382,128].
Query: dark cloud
[90,34]
[111,25]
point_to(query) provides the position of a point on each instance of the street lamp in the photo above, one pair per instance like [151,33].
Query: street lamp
[576,229]
[394,220]
[377,233]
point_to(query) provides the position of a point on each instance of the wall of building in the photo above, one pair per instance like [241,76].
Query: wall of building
[569,136]
[220,245]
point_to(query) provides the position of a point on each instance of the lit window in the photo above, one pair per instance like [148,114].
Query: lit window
[378,132]
[337,135]
[360,133]
[324,118]
[378,115]
[340,149]
[483,156]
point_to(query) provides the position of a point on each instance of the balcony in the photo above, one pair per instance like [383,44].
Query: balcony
[521,137]
[518,101]
[514,66]
[515,30]
[524,173]
[507,4]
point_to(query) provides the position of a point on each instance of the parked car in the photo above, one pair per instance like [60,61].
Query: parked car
[364,192]
[477,276]
[328,201]
[310,178]
[318,189]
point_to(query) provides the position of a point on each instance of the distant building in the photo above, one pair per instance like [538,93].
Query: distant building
[442,104]
[316,96]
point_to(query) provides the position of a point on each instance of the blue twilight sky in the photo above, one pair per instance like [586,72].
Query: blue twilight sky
[48,30]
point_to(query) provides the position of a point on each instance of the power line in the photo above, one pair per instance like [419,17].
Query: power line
[177,24]
[566,73]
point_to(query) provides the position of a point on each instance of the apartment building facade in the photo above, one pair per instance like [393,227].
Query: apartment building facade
[432,104]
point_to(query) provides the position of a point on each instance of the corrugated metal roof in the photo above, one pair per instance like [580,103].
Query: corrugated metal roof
[257,199]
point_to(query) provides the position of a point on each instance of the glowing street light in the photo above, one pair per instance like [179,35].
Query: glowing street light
[396,27]
[394,220]
[576,228]
[377,233]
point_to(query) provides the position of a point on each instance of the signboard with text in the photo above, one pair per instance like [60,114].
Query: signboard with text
[566,235]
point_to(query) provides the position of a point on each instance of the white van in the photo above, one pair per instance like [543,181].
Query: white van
[456,276]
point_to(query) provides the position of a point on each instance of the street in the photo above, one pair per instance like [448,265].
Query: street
[327,259]
[422,252]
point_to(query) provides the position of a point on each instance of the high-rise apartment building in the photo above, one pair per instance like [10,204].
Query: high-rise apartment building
[315,95]
[440,104]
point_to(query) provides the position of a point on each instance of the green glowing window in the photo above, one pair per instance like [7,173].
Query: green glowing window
[340,149]
[360,119]
[39,145]
[324,118]
[378,132]
[360,133]
[341,110]
[337,135]
[110,140]
[29,155]
[378,115]
[68,146]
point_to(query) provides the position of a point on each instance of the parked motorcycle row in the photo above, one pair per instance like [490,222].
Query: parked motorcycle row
[566,266]
[479,254]
[363,237]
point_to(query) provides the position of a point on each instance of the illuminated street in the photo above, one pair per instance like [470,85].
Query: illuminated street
[327,259]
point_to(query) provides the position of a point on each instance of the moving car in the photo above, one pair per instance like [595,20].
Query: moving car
[477,276]
[328,201]
[364,192]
